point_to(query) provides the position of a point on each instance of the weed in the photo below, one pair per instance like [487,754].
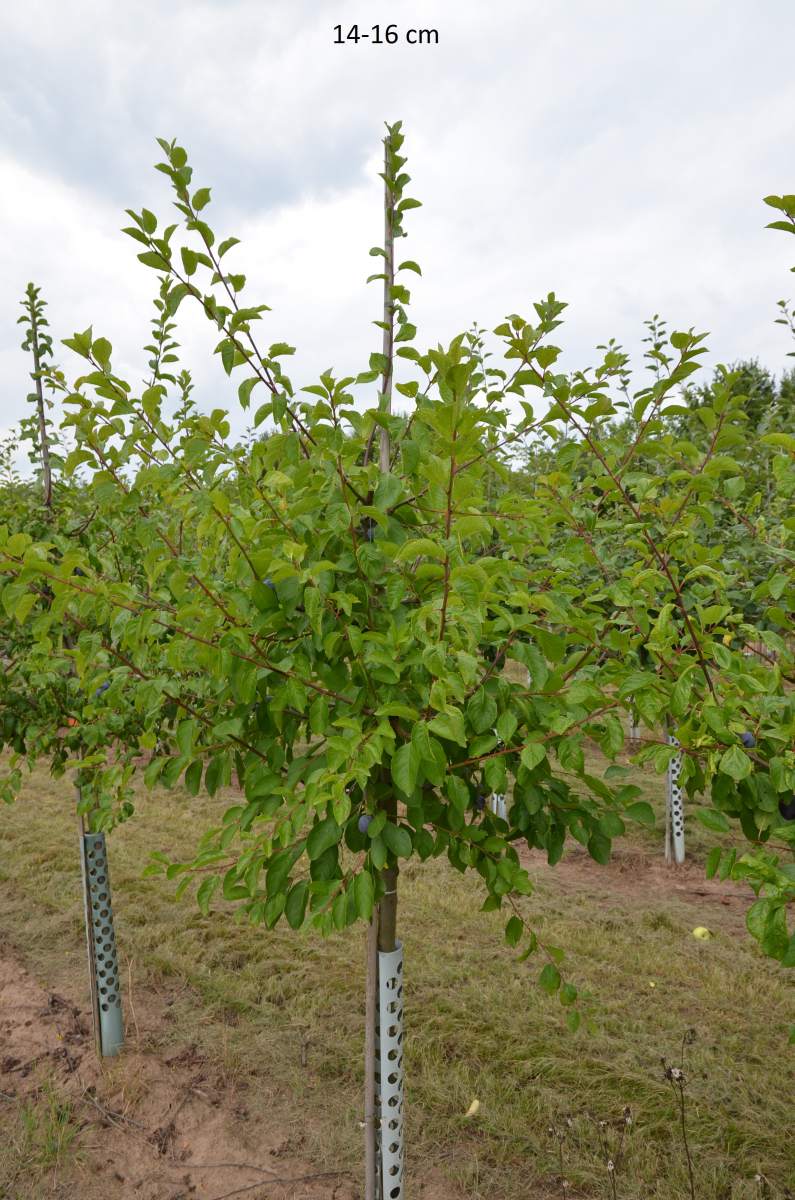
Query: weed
[678,1080]
[40,1139]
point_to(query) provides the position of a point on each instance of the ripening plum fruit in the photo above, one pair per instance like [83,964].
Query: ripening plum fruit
[787,808]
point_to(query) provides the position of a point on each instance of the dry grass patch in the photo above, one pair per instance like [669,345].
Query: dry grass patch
[282,1014]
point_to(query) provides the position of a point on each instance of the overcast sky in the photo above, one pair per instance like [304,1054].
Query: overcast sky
[615,153]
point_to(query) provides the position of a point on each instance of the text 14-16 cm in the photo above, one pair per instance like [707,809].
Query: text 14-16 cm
[380,35]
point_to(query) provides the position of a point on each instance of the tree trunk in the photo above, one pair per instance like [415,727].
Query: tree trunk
[382,931]
[387,909]
[370,1018]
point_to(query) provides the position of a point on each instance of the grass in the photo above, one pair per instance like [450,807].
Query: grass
[477,1026]
[37,1139]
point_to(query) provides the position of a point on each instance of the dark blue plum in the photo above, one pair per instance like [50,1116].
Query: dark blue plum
[748,739]
[787,808]
[364,822]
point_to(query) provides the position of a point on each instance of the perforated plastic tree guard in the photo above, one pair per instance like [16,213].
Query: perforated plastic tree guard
[498,806]
[389,1074]
[633,729]
[102,944]
[676,804]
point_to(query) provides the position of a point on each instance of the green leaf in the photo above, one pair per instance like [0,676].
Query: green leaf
[481,711]
[405,768]
[457,792]
[513,931]
[418,548]
[611,825]
[207,889]
[786,440]
[450,725]
[232,888]
[532,755]
[295,904]
[245,390]
[364,893]
[506,726]
[568,994]
[193,777]
[186,735]
[214,775]
[23,607]
[735,763]
[713,861]
[713,820]
[549,979]
[175,297]
[397,839]
[102,350]
[641,812]
[323,835]
[388,492]
[599,848]
[339,911]
[378,853]
[151,258]
[190,260]
[377,824]
[758,916]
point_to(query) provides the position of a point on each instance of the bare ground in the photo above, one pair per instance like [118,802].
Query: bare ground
[634,873]
[152,1128]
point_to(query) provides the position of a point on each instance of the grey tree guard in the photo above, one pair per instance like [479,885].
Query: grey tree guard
[675,815]
[101,942]
[633,728]
[498,806]
[389,1076]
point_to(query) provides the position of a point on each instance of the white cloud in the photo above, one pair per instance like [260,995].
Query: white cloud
[616,154]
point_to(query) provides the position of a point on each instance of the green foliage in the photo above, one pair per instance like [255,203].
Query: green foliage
[330,632]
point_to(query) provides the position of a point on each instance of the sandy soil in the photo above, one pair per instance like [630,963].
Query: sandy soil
[152,1129]
[634,872]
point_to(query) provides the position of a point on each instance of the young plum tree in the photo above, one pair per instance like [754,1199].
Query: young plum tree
[331,636]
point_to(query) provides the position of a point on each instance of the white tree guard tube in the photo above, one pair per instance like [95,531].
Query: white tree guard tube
[633,729]
[498,806]
[676,804]
[389,1078]
[102,945]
